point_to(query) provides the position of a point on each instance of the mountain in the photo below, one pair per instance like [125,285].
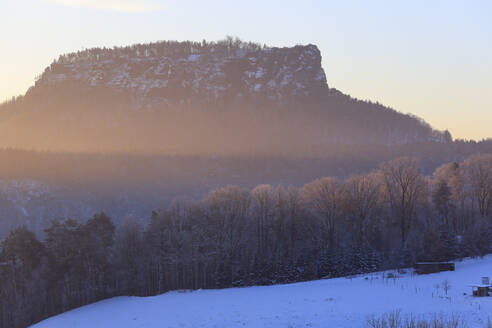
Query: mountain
[188,97]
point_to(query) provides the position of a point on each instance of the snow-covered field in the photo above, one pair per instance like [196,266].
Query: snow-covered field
[341,302]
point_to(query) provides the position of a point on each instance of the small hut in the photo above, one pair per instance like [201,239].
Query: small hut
[483,289]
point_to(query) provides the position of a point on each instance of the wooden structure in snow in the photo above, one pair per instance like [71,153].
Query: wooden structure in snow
[481,290]
[484,289]
[433,267]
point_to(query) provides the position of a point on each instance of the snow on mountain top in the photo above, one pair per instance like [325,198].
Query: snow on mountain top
[169,73]
[341,302]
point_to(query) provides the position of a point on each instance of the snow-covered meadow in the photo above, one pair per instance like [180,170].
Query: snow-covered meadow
[341,302]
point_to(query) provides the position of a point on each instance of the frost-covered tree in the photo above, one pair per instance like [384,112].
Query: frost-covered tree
[404,186]
[324,199]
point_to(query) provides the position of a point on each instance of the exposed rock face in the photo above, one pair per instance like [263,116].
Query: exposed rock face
[157,75]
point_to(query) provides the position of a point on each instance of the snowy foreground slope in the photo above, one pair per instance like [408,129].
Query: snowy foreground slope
[341,302]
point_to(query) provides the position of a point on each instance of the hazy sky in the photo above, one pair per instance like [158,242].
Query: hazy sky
[429,58]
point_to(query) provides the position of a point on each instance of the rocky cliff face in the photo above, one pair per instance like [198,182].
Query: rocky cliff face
[168,74]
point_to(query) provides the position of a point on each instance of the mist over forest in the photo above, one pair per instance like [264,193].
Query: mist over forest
[182,165]
[128,129]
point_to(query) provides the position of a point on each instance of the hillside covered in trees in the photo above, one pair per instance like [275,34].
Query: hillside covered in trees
[225,97]
[390,217]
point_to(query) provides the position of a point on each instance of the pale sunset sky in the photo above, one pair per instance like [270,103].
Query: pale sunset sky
[429,58]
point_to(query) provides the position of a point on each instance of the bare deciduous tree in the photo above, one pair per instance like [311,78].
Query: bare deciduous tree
[479,177]
[324,198]
[362,200]
[404,185]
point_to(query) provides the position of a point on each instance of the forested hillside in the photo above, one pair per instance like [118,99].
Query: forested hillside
[36,187]
[388,218]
